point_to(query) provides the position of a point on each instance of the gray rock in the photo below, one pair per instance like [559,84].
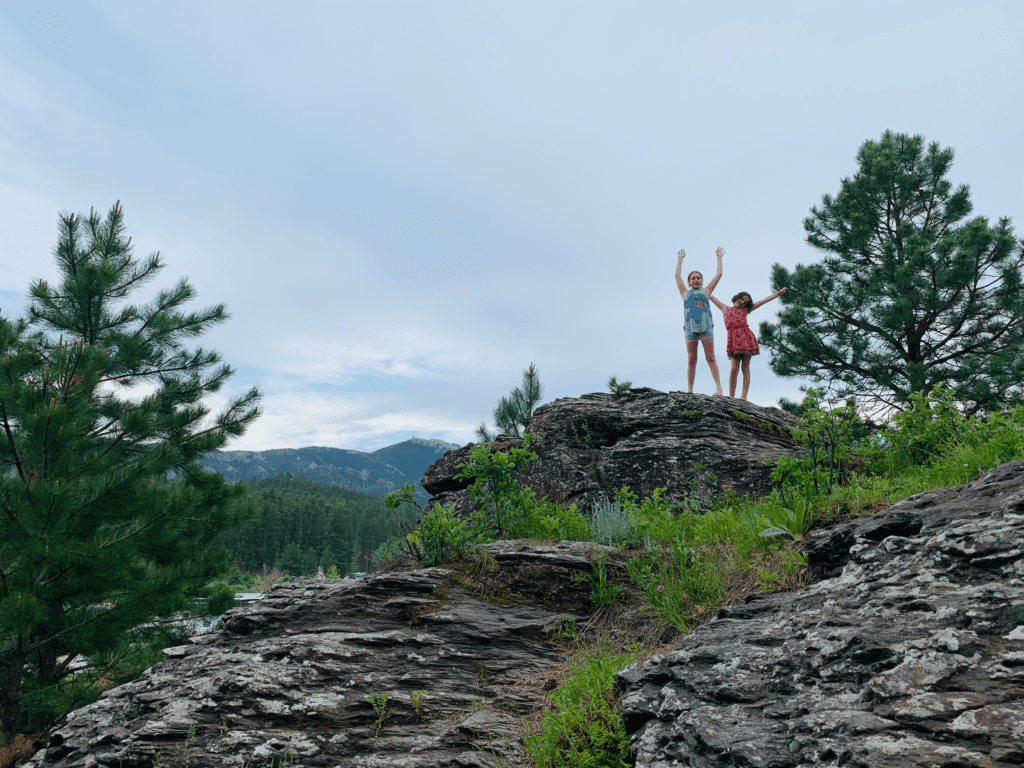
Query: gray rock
[908,652]
[591,446]
[288,680]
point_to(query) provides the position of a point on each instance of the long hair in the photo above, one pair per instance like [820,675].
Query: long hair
[739,296]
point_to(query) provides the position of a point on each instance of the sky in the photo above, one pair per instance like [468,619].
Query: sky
[405,204]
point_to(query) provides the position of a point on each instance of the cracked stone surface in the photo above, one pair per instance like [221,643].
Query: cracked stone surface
[288,680]
[591,446]
[909,650]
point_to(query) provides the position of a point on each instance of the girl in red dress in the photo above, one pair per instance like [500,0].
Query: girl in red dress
[741,344]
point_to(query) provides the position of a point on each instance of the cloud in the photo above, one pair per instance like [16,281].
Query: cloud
[357,422]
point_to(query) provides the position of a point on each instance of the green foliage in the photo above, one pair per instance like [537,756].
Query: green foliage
[443,534]
[496,488]
[584,728]
[611,523]
[783,521]
[552,522]
[514,412]
[405,497]
[108,518]
[828,436]
[416,698]
[911,293]
[602,594]
[676,579]
[934,444]
[507,509]
[793,563]
[379,702]
[928,427]
[618,388]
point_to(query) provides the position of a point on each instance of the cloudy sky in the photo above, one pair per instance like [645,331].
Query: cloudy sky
[404,204]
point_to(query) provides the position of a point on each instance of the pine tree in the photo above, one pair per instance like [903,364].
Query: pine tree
[910,295]
[106,518]
[516,410]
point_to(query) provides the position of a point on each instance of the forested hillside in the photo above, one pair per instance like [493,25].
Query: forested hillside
[383,470]
[301,524]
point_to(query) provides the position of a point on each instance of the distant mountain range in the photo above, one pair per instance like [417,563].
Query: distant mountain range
[376,473]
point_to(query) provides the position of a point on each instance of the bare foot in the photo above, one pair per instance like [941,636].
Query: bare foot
[718,394]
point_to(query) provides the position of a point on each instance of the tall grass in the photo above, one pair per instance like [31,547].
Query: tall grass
[584,728]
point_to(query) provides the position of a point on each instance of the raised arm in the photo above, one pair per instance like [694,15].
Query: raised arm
[718,273]
[720,304]
[765,300]
[679,273]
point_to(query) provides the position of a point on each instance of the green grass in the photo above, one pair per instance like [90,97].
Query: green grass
[584,728]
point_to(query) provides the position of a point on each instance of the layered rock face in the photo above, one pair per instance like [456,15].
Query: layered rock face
[460,653]
[908,652]
[591,446]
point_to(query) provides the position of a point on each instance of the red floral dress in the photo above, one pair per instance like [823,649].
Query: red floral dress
[741,340]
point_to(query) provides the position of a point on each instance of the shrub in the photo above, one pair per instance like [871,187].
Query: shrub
[611,523]
[442,534]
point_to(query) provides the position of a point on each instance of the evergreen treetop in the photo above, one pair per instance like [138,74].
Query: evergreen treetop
[911,294]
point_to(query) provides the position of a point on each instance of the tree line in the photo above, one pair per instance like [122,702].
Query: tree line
[300,525]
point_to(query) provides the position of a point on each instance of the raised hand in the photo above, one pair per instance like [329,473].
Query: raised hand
[681,254]
[720,253]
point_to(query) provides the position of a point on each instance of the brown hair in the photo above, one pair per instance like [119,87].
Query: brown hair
[694,272]
[739,296]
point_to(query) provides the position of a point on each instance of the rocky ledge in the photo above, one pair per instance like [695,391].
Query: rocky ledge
[908,652]
[591,446]
[461,652]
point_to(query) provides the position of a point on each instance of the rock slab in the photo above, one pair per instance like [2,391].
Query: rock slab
[290,680]
[908,652]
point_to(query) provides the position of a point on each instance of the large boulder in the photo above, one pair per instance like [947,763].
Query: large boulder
[591,446]
[909,652]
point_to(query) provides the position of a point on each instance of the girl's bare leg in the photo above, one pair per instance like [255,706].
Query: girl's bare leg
[691,364]
[734,373]
[746,376]
[709,355]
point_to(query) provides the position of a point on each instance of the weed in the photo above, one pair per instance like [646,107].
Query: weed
[783,521]
[602,594]
[416,697]
[379,702]
[584,728]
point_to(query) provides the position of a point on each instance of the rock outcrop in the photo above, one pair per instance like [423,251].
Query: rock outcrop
[591,446]
[908,652]
[461,652]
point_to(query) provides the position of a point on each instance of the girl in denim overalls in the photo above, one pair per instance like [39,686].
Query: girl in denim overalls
[697,321]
